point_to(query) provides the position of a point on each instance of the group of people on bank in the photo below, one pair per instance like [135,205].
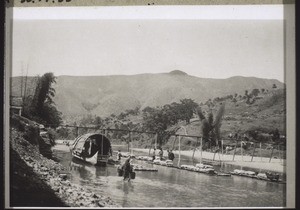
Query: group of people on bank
[160,154]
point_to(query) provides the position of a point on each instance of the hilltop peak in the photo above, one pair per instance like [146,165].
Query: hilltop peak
[177,72]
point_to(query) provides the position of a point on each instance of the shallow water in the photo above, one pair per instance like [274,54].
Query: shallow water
[171,187]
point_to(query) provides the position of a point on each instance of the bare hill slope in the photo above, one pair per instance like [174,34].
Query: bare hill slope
[104,95]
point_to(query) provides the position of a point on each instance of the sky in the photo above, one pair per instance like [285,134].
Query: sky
[203,47]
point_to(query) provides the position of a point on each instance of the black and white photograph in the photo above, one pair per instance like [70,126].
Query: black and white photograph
[149,107]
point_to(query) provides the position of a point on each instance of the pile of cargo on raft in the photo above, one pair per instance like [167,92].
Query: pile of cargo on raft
[209,169]
[200,168]
[267,176]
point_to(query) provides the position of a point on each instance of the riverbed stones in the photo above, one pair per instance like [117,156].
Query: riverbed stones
[70,191]
[63,176]
[101,204]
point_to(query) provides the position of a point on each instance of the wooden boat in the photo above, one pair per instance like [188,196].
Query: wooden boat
[93,148]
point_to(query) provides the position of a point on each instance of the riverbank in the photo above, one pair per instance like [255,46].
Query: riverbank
[39,181]
[276,165]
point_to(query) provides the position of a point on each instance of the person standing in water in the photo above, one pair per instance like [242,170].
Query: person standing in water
[127,169]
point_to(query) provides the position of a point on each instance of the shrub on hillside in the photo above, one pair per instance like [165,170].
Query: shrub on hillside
[32,134]
[52,136]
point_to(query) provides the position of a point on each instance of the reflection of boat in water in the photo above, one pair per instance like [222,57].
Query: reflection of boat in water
[86,169]
[93,148]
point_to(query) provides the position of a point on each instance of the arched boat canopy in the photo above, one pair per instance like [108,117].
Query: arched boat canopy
[88,144]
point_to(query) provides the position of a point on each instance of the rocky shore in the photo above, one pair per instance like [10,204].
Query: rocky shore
[39,181]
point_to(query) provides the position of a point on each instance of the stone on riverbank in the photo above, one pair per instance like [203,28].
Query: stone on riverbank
[45,184]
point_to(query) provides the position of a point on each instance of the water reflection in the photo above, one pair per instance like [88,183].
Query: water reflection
[127,187]
[102,171]
[170,187]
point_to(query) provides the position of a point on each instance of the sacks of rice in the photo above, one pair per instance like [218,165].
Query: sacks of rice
[156,162]
[149,158]
[237,171]
[272,176]
[184,166]
[262,176]
[206,170]
[163,163]
[169,163]
[190,167]
[201,165]
[250,173]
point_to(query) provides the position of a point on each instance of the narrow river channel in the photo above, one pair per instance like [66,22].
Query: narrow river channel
[171,187]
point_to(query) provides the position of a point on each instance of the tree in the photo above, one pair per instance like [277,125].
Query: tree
[187,108]
[42,108]
[44,91]
[255,92]
[274,86]
[161,118]
[210,126]
[218,119]
[98,121]
[247,96]
[200,113]
[276,135]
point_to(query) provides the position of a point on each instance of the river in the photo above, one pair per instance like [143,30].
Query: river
[171,187]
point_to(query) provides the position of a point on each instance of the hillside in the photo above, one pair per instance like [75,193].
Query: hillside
[264,115]
[106,95]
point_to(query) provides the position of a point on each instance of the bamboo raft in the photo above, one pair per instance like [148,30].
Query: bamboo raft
[261,176]
[200,168]
[146,169]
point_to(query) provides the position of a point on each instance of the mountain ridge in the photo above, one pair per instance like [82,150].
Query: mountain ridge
[113,94]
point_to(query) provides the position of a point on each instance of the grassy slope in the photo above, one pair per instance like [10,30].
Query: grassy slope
[265,114]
